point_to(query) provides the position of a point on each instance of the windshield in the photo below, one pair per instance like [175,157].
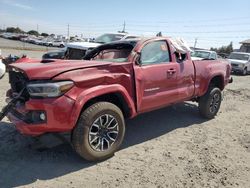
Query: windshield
[201,54]
[108,38]
[112,52]
[239,56]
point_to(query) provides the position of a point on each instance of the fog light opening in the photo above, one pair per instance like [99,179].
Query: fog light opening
[42,116]
[38,116]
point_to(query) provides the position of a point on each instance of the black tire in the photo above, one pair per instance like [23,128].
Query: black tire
[82,132]
[244,72]
[61,46]
[209,104]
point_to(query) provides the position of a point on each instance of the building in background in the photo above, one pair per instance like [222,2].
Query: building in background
[245,46]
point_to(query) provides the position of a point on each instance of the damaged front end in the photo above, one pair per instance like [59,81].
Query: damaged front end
[11,104]
[38,106]
[16,94]
[16,98]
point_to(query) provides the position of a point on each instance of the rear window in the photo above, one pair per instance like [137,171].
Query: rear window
[76,54]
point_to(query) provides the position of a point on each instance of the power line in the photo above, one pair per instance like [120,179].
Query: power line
[193,32]
[192,21]
[96,26]
[218,25]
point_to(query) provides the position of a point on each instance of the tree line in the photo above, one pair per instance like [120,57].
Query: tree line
[18,30]
[224,49]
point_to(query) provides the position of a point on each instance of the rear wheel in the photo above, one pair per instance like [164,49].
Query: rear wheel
[209,104]
[99,131]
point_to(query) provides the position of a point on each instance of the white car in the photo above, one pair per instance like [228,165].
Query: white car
[203,55]
[77,50]
[38,41]
[2,66]
[240,62]
[56,43]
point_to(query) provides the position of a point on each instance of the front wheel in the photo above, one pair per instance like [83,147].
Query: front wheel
[99,131]
[209,104]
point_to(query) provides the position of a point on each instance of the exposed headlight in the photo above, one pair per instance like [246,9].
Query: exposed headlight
[51,89]
[241,65]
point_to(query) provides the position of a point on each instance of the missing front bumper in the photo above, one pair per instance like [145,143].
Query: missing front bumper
[11,105]
[30,117]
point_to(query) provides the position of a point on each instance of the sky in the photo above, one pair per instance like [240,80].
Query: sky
[213,23]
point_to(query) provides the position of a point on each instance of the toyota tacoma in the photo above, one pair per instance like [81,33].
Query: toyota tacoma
[90,98]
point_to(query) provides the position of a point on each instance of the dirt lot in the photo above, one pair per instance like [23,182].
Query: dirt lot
[171,147]
[19,48]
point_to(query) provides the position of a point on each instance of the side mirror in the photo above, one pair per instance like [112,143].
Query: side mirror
[180,58]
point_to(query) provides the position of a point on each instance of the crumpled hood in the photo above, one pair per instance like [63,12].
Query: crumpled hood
[236,61]
[38,70]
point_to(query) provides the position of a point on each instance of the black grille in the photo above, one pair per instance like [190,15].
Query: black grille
[234,65]
[17,82]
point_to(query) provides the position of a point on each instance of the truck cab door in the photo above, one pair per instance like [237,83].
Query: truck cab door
[155,76]
[159,79]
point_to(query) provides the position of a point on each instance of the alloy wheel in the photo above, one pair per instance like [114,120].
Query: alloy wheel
[103,132]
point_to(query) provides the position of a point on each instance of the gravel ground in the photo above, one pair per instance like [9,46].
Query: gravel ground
[171,147]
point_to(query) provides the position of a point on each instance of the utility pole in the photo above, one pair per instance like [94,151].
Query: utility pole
[124,27]
[37,29]
[195,42]
[68,32]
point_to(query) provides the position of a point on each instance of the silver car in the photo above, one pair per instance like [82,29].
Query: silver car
[240,62]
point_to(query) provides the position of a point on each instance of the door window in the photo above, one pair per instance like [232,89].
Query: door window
[155,53]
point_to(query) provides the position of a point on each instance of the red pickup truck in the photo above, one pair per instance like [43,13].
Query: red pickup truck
[91,98]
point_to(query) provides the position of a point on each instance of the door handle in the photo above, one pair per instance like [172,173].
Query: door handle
[171,71]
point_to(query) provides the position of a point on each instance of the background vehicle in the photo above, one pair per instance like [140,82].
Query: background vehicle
[91,98]
[60,54]
[58,43]
[240,62]
[2,66]
[77,50]
[110,37]
[204,55]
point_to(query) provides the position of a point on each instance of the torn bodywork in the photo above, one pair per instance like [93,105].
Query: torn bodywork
[17,93]
[12,103]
